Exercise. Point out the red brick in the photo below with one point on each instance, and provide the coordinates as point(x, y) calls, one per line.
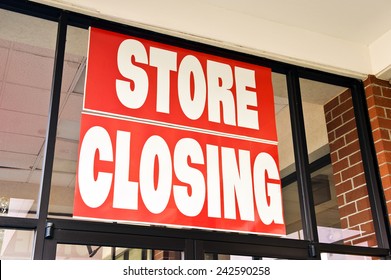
point(328, 117)
point(352, 171)
point(341, 200)
point(345, 96)
point(367, 228)
point(347, 127)
point(351, 136)
point(386, 92)
point(349, 149)
point(384, 123)
point(375, 112)
point(388, 113)
point(389, 208)
point(331, 136)
point(337, 178)
point(337, 144)
point(341, 165)
point(385, 169)
point(343, 187)
point(386, 182)
point(331, 104)
point(375, 124)
point(376, 90)
point(371, 102)
point(387, 194)
point(359, 180)
point(383, 156)
point(383, 145)
point(363, 204)
point(381, 134)
point(348, 209)
point(356, 194)
point(355, 158)
point(344, 223)
point(372, 80)
point(368, 81)
point(360, 218)
point(347, 116)
point(368, 241)
point(334, 156)
point(336, 122)
point(383, 101)
point(342, 108)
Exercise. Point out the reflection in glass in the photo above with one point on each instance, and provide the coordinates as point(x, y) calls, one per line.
point(340, 194)
point(67, 141)
point(290, 195)
point(332, 256)
point(26, 67)
point(90, 252)
point(16, 244)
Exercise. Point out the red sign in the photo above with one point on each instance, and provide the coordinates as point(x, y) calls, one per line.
point(176, 137)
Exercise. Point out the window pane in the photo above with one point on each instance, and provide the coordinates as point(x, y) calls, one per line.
point(332, 256)
point(26, 66)
point(65, 157)
point(340, 193)
point(65, 162)
point(89, 252)
point(290, 195)
point(16, 244)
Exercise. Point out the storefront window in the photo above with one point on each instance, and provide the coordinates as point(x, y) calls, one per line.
point(66, 152)
point(65, 157)
point(26, 68)
point(16, 244)
point(340, 193)
point(89, 252)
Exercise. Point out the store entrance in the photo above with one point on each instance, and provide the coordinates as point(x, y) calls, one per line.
point(85, 240)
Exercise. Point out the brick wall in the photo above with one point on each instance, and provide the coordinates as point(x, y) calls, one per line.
point(378, 95)
point(349, 179)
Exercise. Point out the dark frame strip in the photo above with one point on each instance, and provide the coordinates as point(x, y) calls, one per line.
point(44, 197)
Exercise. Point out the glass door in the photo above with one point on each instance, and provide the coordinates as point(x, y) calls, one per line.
point(111, 241)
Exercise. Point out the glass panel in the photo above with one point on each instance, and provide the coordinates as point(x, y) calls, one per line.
point(65, 157)
point(16, 244)
point(212, 256)
point(26, 67)
point(89, 252)
point(65, 162)
point(340, 193)
point(332, 256)
point(290, 195)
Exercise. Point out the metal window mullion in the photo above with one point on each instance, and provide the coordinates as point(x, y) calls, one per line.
point(372, 176)
point(43, 201)
point(301, 158)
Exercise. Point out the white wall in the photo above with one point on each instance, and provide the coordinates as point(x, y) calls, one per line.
point(211, 24)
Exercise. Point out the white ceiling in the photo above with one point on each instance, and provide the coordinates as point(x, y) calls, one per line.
point(348, 37)
point(359, 21)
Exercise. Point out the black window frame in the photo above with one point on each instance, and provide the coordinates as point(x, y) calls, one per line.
point(197, 242)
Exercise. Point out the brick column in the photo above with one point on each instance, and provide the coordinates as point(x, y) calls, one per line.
point(349, 179)
point(378, 93)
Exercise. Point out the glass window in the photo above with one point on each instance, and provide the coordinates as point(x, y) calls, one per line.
point(90, 252)
point(66, 152)
point(290, 194)
point(26, 67)
point(342, 207)
point(16, 244)
point(332, 256)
